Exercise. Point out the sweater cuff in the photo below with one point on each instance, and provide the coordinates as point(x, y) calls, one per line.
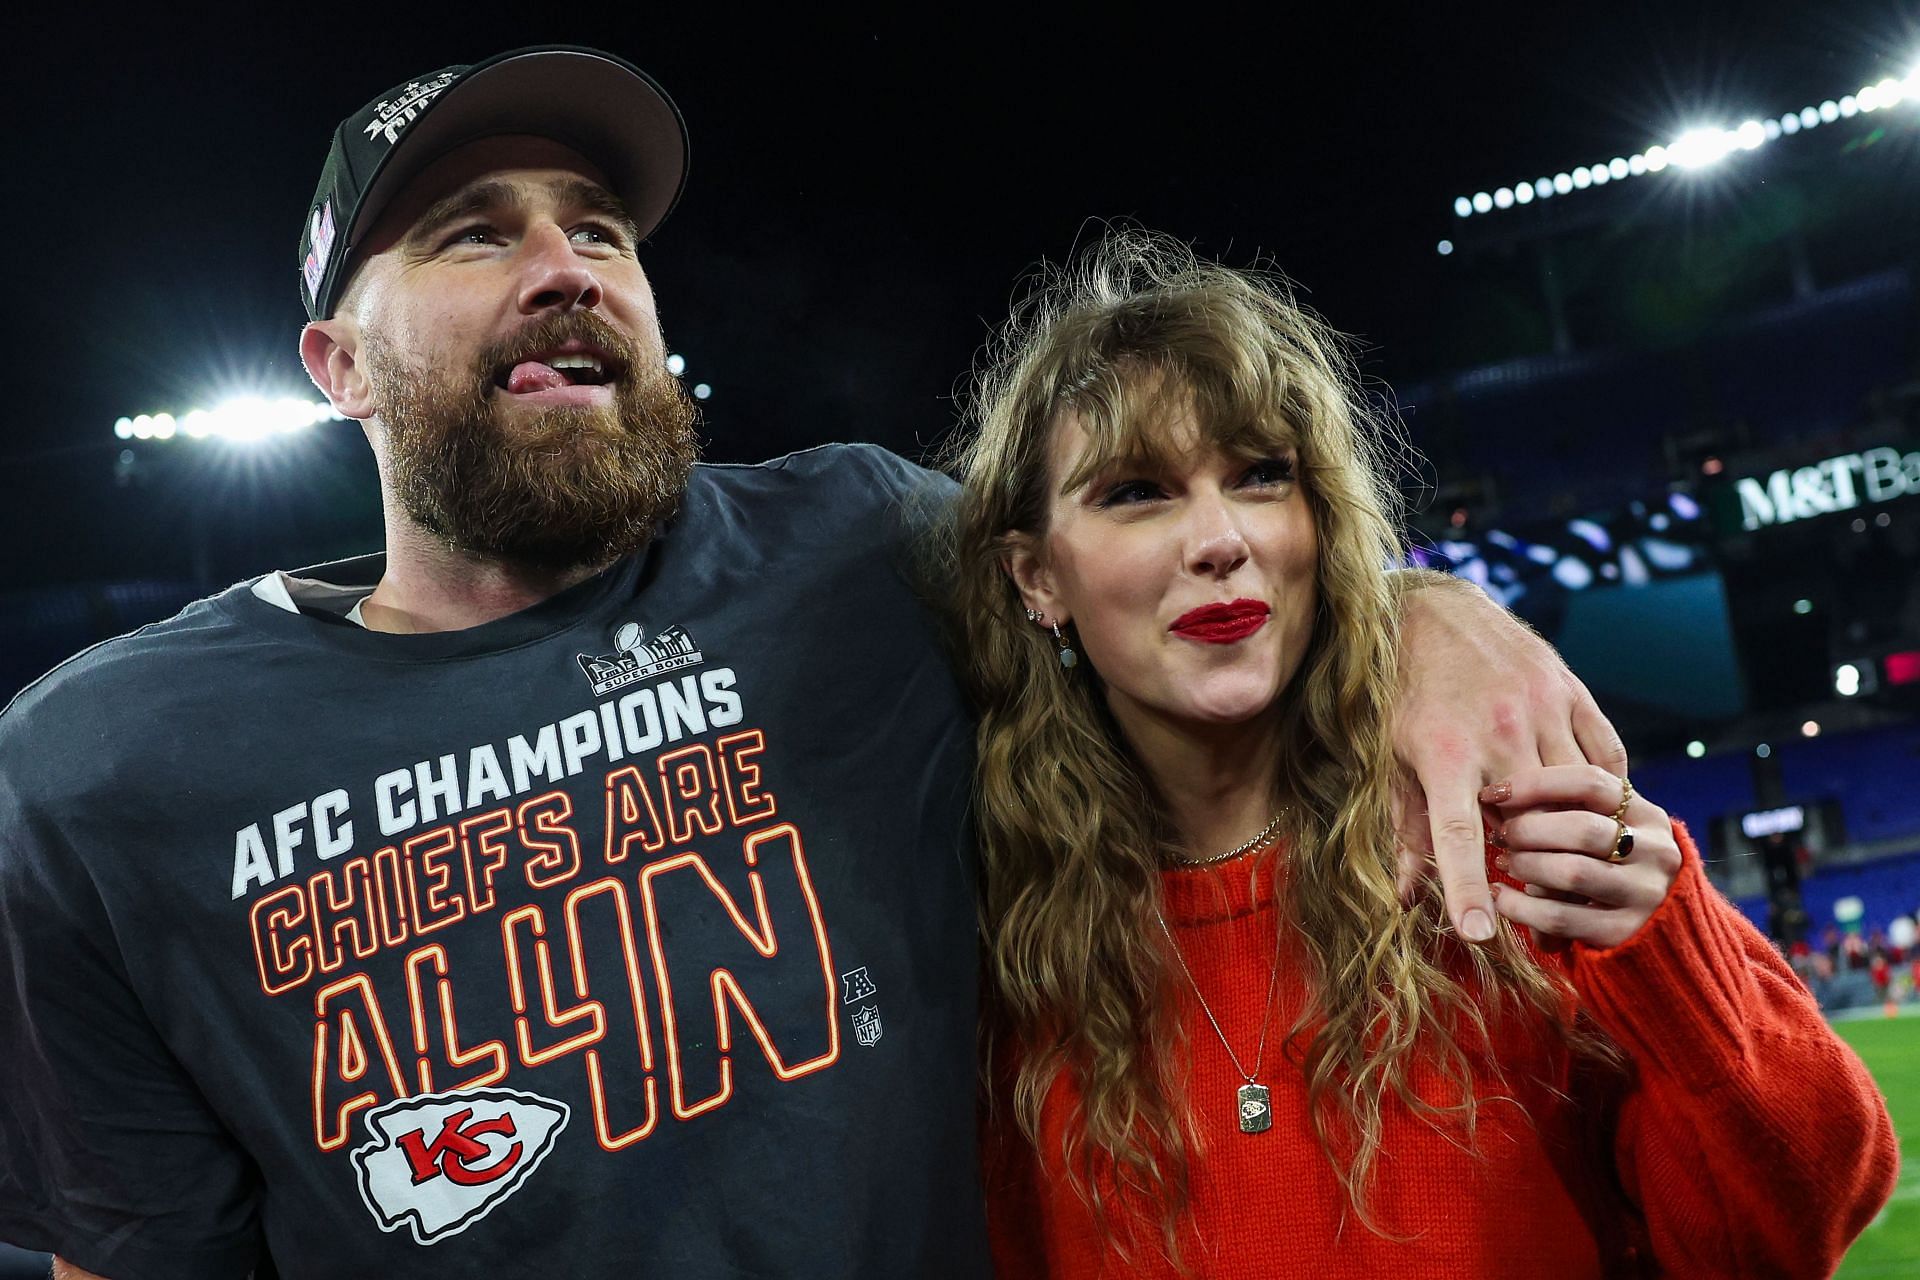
point(1679, 994)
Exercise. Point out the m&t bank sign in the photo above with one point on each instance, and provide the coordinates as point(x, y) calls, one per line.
point(1851, 480)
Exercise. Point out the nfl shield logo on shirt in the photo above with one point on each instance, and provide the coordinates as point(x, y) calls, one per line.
point(440, 1162)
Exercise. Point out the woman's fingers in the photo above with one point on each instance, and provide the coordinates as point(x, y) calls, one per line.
point(1568, 830)
point(1596, 926)
point(1603, 883)
point(1585, 786)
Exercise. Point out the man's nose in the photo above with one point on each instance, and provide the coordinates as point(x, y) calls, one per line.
point(1215, 544)
point(556, 278)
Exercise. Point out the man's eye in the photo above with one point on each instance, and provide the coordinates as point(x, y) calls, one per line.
point(469, 235)
point(595, 233)
point(1130, 493)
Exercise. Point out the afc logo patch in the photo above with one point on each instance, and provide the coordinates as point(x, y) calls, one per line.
point(440, 1162)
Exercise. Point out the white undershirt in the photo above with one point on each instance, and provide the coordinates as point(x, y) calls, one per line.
point(282, 590)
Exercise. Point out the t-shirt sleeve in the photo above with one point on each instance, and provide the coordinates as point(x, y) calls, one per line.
point(110, 1157)
point(1745, 1099)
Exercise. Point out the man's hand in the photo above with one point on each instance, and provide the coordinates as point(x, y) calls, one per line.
point(1481, 697)
point(64, 1270)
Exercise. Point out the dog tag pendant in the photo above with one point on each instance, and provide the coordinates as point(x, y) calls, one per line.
point(1256, 1108)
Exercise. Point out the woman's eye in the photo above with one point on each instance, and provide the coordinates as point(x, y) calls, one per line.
point(1270, 471)
point(1129, 492)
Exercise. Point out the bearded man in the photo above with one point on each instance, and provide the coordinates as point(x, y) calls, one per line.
point(514, 902)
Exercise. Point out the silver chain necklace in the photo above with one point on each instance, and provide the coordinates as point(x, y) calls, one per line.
point(1253, 1101)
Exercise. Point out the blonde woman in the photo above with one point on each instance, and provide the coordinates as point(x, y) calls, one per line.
point(1220, 1044)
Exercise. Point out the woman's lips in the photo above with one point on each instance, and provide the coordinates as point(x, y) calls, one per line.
point(1222, 623)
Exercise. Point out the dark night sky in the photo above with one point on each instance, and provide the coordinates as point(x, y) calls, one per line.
point(864, 191)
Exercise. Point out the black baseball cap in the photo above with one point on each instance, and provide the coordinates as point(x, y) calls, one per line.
point(604, 107)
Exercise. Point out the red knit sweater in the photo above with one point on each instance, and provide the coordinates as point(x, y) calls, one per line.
point(1749, 1143)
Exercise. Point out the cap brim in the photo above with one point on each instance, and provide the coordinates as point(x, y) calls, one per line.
point(608, 110)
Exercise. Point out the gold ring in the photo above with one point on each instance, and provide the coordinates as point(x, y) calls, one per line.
point(1626, 798)
point(1622, 842)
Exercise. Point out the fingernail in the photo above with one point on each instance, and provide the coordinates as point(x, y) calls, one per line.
point(1497, 793)
point(1477, 927)
point(1500, 861)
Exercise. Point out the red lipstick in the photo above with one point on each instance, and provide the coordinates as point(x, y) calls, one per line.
point(1222, 623)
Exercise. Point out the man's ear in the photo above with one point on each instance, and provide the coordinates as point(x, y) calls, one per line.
point(1021, 560)
point(330, 349)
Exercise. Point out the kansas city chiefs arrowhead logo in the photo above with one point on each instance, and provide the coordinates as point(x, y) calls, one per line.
point(440, 1162)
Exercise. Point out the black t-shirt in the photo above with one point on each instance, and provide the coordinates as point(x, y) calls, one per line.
point(629, 934)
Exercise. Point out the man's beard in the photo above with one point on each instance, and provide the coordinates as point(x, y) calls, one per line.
point(557, 488)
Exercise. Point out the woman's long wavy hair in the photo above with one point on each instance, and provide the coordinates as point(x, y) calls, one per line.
point(1074, 839)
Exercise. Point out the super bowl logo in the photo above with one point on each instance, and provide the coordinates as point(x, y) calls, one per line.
point(637, 658)
point(440, 1162)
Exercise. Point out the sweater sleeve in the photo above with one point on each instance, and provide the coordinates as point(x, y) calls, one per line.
point(1753, 1141)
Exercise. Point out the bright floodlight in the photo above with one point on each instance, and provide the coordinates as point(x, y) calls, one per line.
point(701, 391)
point(1846, 680)
point(1698, 148)
point(1445, 247)
point(242, 419)
point(676, 364)
point(1696, 749)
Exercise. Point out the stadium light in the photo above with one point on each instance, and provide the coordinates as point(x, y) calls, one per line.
point(243, 419)
point(1846, 680)
point(1696, 749)
point(1703, 146)
point(701, 391)
point(676, 364)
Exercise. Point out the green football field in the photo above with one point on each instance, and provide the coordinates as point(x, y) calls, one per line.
point(1891, 1049)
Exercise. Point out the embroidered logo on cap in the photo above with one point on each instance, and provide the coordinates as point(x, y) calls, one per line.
point(391, 116)
point(319, 248)
point(440, 1162)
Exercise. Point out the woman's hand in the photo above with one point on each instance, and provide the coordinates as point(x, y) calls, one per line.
point(1560, 842)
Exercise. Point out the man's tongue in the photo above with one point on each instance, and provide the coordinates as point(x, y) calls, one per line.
point(531, 375)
